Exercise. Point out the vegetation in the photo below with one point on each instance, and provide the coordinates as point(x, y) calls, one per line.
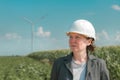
point(37, 66)
point(23, 68)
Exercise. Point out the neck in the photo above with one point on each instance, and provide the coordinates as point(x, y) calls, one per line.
point(80, 57)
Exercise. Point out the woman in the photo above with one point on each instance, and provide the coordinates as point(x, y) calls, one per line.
point(79, 64)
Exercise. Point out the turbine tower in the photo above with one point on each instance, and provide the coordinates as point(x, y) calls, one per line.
point(32, 30)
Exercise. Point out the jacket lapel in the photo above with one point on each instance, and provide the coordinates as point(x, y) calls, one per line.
point(89, 67)
point(67, 62)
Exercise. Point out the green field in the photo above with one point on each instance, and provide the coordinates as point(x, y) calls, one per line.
point(37, 66)
point(23, 68)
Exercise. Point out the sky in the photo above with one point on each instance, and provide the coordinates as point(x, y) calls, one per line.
point(28, 26)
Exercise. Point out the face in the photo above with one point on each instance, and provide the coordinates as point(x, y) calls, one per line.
point(78, 42)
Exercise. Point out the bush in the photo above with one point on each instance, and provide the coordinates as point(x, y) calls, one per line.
point(23, 68)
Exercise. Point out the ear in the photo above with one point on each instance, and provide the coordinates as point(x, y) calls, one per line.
point(89, 42)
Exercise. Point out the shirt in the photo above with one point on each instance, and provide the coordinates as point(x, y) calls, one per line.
point(79, 70)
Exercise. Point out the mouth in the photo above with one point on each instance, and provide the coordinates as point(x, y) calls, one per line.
point(73, 46)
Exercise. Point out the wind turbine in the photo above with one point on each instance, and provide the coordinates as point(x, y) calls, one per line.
point(32, 30)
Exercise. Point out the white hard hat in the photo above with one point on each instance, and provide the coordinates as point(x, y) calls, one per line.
point(83, 27)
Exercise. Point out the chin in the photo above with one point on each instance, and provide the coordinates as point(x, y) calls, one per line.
point(74, 50)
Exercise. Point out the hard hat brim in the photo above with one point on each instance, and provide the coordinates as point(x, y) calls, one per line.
point(68, 33)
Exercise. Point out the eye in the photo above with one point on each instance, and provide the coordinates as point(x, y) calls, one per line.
point(77, 37)
point(70, 37)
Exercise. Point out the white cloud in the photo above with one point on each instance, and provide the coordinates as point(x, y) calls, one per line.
point(12, 36)
point(117, 37)
point(103, 35)
point(103, 38)
point(42, 33)
point(116, 7)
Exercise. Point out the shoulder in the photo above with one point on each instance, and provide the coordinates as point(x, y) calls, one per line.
point(99, 63)
point(96, 59)
point(63, 59)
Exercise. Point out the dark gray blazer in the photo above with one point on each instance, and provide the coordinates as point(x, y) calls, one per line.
point(96, 69)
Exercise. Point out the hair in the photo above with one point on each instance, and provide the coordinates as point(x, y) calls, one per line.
point(91, 47)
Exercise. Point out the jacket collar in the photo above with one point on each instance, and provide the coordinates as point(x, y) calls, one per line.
point(68, 59)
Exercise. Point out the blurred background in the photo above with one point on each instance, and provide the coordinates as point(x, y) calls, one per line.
point(27, 26)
